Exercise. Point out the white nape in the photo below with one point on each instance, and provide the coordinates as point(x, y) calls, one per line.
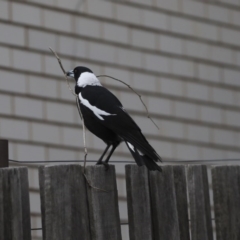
point(88, 78)
point(97, 112)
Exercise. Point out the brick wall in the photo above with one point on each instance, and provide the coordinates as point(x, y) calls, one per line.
point(183, 56)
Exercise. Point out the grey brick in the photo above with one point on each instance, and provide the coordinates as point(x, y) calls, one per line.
point(172, 87)
point(99, 8)
point(45, 133)
point(4, 10)
point(210, 114)
point(232, 77)
point(52, 67)
point(60, 112)
point(194, 8)
point(198, 133)
point(5, 56)
point(169, 5)
point(207, 31)
point(144, 82)
point(74, 5)
point(42, 87)
point(131, 101)
point(232, 118)
point(28, 107)
point(57, 21)
point(171, 129)
point(143, 39)
point(221, 54)
point(230, 36)
point(155, 19)
point(209, 73)
point(186, 110)
point(170, 44)
point(196, 49)
point(19, 14)
point(14, 82)
point(197, 91)
point(236, 17)
point(130, 58)
point(238, 58)
point(223, 96)
point(157, 63)
point(26, 60)
point(165, 149)
point(14, 129)
point(187, 152)
point(181, 25)
point(116, 33)
point(5, 106)
point(73, 137)
point(128, 14)
point(224, 137)
point(41, 40)
point(218, 13)
point(73, 46)
point(62, 154)
point(182, 67)
point(64, 91)
point(121, 74)
point(102, 52)
point(8, 31)
point(210, 153)
point(87, 27)
point(159, 106)
point(27, 152)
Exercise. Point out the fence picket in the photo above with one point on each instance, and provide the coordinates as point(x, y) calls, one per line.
point(180, 184)
point(200, 211)
point(164, 206)
point(226, 193)
point(14, 204)
point(138, 200)
point(103, 204)
point(63, 203)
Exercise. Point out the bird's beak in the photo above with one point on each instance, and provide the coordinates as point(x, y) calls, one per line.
point(70, 74)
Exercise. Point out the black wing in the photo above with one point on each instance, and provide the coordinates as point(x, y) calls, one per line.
point(119, 121)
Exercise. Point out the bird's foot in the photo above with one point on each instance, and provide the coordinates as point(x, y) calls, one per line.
point(106, 165)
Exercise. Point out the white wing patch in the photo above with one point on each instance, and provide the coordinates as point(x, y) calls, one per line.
point(131, 146)
point(97, 112)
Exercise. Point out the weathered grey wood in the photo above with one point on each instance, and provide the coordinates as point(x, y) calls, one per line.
point(200, 211)
point(226, 193)
point(63, 203)
point(14, 204)
point(3, 153)
point(164, 206)
point(138, 200)
point(103, 206)
point(181, 199)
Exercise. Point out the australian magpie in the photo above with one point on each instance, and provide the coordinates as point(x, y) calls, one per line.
point(105, 117)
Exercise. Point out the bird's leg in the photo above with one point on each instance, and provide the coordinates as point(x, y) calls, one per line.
point(114, 146)
point(100, 159)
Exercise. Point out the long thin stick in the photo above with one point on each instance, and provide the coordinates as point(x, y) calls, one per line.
point(78, 106)
point(139, 95)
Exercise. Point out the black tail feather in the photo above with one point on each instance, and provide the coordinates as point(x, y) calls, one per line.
point(143, 159)
point(151, 164)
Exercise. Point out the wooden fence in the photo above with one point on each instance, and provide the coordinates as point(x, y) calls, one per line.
point(157, 203)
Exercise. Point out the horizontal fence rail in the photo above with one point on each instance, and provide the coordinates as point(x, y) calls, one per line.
point(78, 204)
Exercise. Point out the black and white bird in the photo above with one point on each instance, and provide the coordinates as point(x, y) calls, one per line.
point(106, 118)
